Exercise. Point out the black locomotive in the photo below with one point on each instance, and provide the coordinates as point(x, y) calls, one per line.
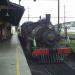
point(42, 41)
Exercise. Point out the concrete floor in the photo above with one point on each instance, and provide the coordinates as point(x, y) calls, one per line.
point(12, 59)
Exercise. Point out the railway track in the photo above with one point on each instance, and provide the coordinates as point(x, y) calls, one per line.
point(39, 69)
point(51, 69)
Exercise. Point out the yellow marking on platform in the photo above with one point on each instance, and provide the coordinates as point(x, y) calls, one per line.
point(17, 62)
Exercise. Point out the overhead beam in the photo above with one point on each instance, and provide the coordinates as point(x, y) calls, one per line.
point(6, 7)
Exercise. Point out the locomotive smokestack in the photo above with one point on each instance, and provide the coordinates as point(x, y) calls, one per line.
point(48, 16)
point(40, 17)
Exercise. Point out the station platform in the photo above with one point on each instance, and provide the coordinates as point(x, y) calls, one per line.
point(12, 59)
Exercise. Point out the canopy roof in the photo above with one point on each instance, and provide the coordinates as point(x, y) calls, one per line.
point(11, 12)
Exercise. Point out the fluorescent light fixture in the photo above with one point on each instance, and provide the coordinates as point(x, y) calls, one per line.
point(7, 14)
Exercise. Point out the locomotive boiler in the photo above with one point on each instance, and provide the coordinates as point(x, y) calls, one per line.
point(42, 41)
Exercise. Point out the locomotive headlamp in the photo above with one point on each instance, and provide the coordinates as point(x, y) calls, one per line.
point(51, 36)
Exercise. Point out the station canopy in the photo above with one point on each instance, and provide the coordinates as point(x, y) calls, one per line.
point(10, 12)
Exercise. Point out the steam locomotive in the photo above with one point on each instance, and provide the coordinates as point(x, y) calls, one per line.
point(43, 42)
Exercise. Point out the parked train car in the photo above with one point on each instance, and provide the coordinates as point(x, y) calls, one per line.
point(42, 42)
